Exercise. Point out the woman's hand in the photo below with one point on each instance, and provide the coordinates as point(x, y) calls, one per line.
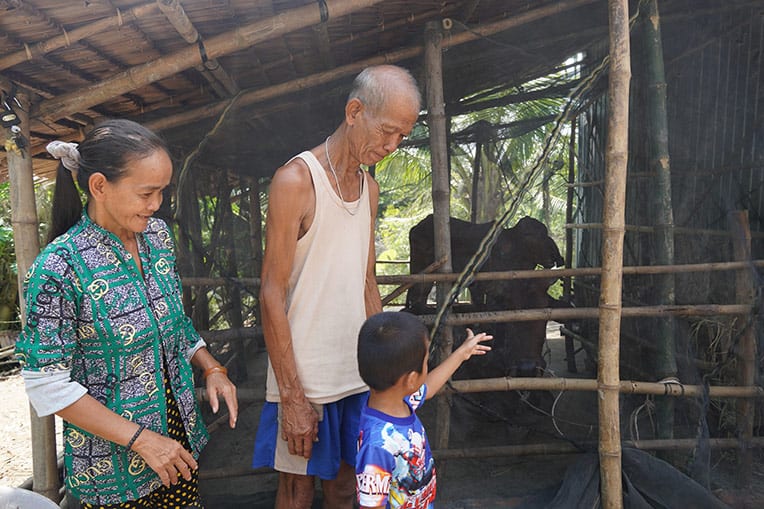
point(219, 385)
point(165, 456)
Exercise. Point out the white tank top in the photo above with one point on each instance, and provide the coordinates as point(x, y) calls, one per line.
point(325, 299)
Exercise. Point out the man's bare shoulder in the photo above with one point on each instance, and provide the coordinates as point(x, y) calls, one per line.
point(294, 175)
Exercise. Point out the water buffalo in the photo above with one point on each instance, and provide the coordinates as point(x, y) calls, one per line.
point(522, 247)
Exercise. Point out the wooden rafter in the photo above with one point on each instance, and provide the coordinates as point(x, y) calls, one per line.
point(66, 38)
point(253, 96)
point(211, 70)
point(80, 41)
point(168, 65)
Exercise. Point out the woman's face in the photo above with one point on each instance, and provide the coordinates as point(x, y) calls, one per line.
point(125, 206)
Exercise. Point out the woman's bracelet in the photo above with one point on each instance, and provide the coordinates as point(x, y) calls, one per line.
point(129, 445)
point(214, 369)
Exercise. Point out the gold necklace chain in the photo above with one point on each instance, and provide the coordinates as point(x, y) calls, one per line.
point(337, 181)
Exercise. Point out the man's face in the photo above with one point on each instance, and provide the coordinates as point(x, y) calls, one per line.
point(380, 132)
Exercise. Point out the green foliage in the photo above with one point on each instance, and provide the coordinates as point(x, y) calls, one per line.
point(9, 305)
point(512, 140)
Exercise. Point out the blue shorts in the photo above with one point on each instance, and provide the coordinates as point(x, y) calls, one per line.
point(337, 439)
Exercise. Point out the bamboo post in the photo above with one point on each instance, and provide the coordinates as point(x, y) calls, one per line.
point(441, 196)
point(27, 246)
point(567, 283)
point(664, 218)
point(746, 353)
point(612, 254)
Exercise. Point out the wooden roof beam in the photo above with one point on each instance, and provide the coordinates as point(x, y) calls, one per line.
point(168, 65)
point(81, 41)
point(324, 45)
point(253, 96)
point(37, 50)
point(210, 69)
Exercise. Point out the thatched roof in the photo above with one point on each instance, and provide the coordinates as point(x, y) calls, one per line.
point(104, 58)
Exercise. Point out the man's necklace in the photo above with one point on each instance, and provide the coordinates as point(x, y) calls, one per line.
point(337, 181)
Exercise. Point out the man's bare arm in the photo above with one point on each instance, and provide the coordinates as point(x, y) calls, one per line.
point(290, 201)
point(372, 299)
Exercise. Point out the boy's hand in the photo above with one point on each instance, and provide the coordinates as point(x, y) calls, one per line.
point(472, 345)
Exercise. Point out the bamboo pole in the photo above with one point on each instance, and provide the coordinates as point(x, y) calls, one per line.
point(567, 283)
point(221, 281)
point(562, 273)
point(210, 69)
point(612, 254)
point(441, 197)
point(663, 207)
point(402, 288)
point(561, 314)
point(550, 448)
point(590, 385)
point(242, 333)
point(746, 353)
point(173, 63)
point(27, 246)
point(540, 449)
point(677, 230)
point(506, 384)
point(38, 50)
point(407, 279)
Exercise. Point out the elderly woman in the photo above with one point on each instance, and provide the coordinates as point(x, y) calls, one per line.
point(106, 344)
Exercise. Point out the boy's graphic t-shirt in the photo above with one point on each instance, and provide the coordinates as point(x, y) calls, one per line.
point(394, 466)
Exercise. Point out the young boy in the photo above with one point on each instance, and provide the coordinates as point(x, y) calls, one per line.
point(394, 466)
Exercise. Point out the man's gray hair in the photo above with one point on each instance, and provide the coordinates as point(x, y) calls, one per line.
point(371, 85)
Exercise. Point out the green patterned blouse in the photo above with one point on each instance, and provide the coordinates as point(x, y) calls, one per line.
point(95, 322)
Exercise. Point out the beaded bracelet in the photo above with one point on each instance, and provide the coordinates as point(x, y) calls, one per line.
point(129, 445)
point(214, 369)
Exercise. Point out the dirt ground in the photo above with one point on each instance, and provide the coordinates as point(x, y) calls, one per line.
point(16, 446)
point(494, 482)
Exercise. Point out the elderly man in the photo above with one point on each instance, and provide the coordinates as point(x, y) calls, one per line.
point(318, 287)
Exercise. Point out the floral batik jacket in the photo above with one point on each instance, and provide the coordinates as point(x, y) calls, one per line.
point(94, 321)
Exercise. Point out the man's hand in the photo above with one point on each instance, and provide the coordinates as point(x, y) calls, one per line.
point(299, 424)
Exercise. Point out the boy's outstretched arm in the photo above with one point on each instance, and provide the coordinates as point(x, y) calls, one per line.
point(437, 378)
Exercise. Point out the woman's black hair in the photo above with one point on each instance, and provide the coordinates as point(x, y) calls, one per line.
point(390, 345)
point(108, 148)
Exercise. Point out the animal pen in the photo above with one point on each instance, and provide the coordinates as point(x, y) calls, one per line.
point(663, 109)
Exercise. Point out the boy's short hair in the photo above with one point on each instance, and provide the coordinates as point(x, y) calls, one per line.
point(390, 344)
